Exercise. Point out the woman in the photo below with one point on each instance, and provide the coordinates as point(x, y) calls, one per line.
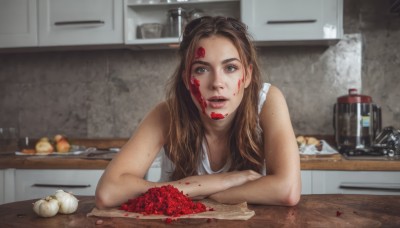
point(220, 127)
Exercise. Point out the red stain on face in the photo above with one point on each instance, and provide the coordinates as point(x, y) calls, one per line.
point(240, 81)
point(217, 116)
point(195, 90)
point(200, 53)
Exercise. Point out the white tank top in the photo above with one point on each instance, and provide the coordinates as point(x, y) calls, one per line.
point(204, 167)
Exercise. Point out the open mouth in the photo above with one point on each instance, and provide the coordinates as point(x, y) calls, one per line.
point(217, 102)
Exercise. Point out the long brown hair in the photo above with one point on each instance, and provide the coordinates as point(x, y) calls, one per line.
point(186, 132)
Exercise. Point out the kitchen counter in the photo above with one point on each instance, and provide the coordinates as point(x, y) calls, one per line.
point(312, 211)
point(336, 162)
point(308, 162)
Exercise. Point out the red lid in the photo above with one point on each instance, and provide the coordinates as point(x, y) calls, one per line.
point(353, 97)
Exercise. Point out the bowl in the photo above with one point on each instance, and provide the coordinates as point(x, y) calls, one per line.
point(151, 30)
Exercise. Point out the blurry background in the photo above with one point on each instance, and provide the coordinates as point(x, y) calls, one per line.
point(106, 93)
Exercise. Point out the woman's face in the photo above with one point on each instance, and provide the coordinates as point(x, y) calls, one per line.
point(217, 77)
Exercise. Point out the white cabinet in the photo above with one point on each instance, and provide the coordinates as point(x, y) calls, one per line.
point(80, 22)
point(18, 23)
point(31, 183)
point(139, 12)
point(7, 185)
point(293, 20)
point(356, 182)
point(306, 182)
point(2, 186)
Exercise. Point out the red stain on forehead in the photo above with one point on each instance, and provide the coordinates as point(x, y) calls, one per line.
point(195, 90)
point(200, 53)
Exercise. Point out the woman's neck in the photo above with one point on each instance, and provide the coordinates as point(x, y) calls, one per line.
point(217, 128)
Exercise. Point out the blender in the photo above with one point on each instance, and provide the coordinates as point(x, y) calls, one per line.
point(356, 121)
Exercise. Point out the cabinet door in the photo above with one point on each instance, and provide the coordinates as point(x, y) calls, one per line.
point(306, 182)
point(293, 20)
point(18, 23)
point(32, 184)
point(356, 182)
point(2, 186)
point(80, 22)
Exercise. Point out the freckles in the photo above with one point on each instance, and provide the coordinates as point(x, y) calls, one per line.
point(195, 91)
point(200, 53)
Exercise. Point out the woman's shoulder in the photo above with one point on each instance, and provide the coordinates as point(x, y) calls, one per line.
point(273, 99)
point(159, 114)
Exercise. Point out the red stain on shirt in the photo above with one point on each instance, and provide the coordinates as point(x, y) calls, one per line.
point(195, 90)
point(200, 53)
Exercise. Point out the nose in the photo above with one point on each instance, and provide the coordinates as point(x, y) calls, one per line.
point(217, 80)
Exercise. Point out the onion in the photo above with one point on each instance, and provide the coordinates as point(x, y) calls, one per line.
point(47, 207)
point(68, 203)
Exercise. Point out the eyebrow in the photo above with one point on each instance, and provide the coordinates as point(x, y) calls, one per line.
point(208, 64)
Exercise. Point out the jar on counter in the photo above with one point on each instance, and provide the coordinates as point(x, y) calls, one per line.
point(177, 20)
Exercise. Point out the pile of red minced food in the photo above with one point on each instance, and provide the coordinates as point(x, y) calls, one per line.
point(164, 200)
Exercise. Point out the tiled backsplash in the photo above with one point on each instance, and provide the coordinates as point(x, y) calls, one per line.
point(106, 93)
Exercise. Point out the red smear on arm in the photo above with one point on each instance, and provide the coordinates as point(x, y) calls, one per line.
point(200, 53)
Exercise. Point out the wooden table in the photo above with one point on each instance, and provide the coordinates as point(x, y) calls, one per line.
point(312, 211)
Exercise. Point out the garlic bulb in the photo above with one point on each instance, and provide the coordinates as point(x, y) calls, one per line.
point(46, 207)
point(68, 203)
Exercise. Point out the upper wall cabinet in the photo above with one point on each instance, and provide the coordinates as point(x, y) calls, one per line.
point(18, 23)
point(80, 22)
point(297, 21)
point(163, 16)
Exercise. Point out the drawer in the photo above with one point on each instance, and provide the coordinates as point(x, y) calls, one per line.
point(31, 184)
point(80, 22)
point(356, 182)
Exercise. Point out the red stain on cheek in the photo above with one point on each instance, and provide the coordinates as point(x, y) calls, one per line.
point(200, 53)
point(217, 116)
point(240, 81)
point(195, 90)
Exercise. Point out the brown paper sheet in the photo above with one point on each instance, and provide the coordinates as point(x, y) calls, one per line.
point(221, 211)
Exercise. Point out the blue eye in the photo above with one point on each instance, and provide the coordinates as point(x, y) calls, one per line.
point(200, 70)
point(231, 68)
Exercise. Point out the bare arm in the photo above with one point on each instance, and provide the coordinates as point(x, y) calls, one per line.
point(123, 177)
point(282, 185)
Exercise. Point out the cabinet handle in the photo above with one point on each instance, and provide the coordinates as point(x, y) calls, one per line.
point(61, 185)
point(292, 21)
point(88, 22)
point(371, 186)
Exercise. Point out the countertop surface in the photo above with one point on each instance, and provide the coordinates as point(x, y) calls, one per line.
point(100, 161)
point(312, 211)
point(333, 162)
